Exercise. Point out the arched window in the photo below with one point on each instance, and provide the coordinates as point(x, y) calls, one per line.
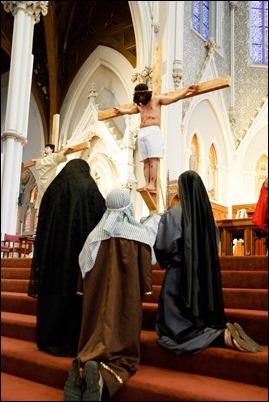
point(212, 173)
point(207, 21)
point(200, 18)
point(261, 174)
point(259, 32)
point(194, 156)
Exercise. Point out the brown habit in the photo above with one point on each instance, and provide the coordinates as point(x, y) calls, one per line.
point(112, 309)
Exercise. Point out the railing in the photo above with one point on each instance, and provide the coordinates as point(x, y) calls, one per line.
point(254, 241)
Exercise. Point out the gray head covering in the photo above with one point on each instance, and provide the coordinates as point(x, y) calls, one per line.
point(117, 221)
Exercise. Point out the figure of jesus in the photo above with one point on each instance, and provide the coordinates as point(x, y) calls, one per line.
point(150, 141)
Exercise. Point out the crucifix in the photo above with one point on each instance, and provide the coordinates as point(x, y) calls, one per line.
point(150, 196)
point(69, 150)
point(47, 165)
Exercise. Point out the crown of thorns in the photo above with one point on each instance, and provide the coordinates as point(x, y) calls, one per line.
point(142, 90)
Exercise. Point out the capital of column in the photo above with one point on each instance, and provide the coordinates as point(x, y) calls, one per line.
point(31, 8)
point(15, 136)
point(233, 5)
point(177, 73)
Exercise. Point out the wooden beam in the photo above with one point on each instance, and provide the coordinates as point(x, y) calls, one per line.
point(78, 147)
point(51, 41)
point(70, 150)
point(150, 199)
point(157, 69)
point(204, 87)
point(55, 130)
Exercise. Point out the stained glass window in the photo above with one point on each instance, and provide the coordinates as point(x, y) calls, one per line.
point(259, 32)
point(200, 18)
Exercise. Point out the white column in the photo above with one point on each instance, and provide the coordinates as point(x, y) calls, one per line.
point(233, 6)
point(14, 137)
point(178, 51)
point(171, 115)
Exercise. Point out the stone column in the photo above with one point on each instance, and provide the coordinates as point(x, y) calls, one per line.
point(233, 6)
point(14, 136)
point(178, 48)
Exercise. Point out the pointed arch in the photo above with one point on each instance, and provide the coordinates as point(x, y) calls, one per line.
point(212, 173)
point(194, 154)
point(261, 173)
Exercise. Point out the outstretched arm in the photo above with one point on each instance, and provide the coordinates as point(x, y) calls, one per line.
point(167, 100)
point(121, 111)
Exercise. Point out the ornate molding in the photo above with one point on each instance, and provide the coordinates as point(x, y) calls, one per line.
point(143, 75)
point(232, 115)
point(31, 8)
point(233, 5)
point(92, 94)
point(128, 184)
point(129, 138)
point(210, 46)
point(17, 137)
point(177, 73)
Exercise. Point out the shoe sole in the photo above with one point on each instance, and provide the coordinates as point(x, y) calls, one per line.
point(71, 391)
point(246, 337)
point(248, 347)
point(91, 376)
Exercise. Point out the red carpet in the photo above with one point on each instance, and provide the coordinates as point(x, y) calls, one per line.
point(216, 374)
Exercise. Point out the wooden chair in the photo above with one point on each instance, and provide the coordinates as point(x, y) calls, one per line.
point(9, 244)
point(16, 246)
point(27, 245)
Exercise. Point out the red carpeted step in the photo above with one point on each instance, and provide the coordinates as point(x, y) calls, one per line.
point(20, 326)
point(155, 384)
point(246, 302)
point(230, 279)
point(17, 280)
point(18, 389)
point(15, 285)
point(256, 299)
point(157, 276)
point(16, 262)
point(226, 363)
point(248, 299)
point(232, 365)
point(255, 322)
point(149, 383)
point(23, 359)
point(228, 262)
point(244, 262)
point(15, 273)
point(245, 279)
point(18, 302)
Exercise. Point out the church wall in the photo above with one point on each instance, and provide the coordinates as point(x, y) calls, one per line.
point(249, 97)
point(238, 145)
point(110, 73)
point(111, 76)
point(238, 176)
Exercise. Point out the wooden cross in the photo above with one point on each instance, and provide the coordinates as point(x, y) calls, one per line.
point(72, 149)
point(151, 199)
point(204, 87)
point(54, 140)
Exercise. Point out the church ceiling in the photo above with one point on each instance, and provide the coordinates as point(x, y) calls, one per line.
point(64, 39)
